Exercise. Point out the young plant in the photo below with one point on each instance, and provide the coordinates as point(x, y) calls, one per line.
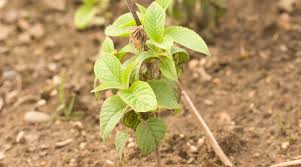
point(87, 12)
point(66, 107)
point(142, 75)
point(205, 13)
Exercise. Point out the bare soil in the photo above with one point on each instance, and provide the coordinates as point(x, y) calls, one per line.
point(251, 100)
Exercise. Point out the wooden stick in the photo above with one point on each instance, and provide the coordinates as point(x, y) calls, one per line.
point(131, 7)
point(296, 163)
point(217, 149)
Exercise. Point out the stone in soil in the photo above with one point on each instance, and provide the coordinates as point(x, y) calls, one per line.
point(37, 31)
point(20, 137)
point(36, 117)
point(2, 156)
point(9, 75)
point(110, 163)
point(1, 103)
point(2, 3)
point(63, 143)
point(287, 5)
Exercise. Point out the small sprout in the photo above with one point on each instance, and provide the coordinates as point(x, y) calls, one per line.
point(66, 107)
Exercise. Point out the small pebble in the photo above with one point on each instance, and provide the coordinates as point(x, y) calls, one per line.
point(1, 103)
point(9, 75)
point(82, 146)
point(50, 44)
point(190, 160)
point(53, 92)
point(2, 156)
point(37, 31)
point(193, 64)
point(204, 75)
point(208, 102)
point(110, 163)
point(44, 146)
point(63, 143)
point(285, 145)
point(193, 149)
point(36, 117)
point(41, 102)
point(77, 125)
point(201, 141)
point(52, 67)
point(23, 24)
point(57, 80)
point(287, 5)
point(2, 3)
point(20, 137)
point(131, 145)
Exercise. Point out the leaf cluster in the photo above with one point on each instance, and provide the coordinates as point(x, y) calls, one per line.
point(129, 73)
point(87, 11)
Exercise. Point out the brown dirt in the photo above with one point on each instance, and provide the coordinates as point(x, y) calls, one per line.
point(252, 102)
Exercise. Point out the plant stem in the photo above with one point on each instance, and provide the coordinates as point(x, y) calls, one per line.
point(131, 7)
point(217, 149)
point(158, 159)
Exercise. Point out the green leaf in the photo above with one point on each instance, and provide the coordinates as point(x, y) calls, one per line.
point(154, 22)
point(166, 93)
point(164, 3)
point(180, 55)
point(108, 69)
point(107, 46)
point(107, 85)
point(141, 8)
point(149, 134)
point(129, 48)
point(120, 141)
point(126, 74)
point(166, 43)
point(125, 20)
point(111, 112)
point(188, 38)
point(140, 59)
point(90, 2)
point(97, 94)
point(168, 68)
point(117, 32)
point(131, 120)
point(83, 16)
point(140, 97)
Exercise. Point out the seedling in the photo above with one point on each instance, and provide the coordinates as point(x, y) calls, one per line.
point(205, 13)
point(87, 12)
point(65, 107)
point(143, 75)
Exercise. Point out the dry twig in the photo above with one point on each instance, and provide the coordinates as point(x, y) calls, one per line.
point(295, 163)
point(217, 149)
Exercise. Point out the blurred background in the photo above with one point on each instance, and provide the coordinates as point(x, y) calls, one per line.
point(248, 91)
